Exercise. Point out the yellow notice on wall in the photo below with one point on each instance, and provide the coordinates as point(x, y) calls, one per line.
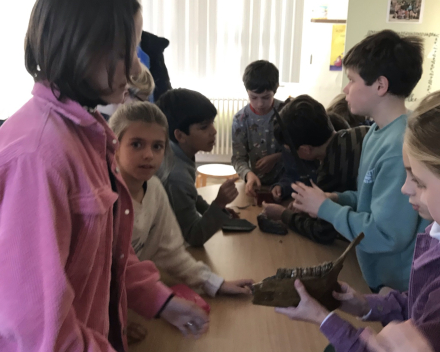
point(338, 47)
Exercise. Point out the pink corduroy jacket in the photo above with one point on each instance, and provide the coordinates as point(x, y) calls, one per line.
point(58, 226)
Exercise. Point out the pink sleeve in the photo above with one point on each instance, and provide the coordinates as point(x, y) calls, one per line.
point(36, 312)
point(145, 293)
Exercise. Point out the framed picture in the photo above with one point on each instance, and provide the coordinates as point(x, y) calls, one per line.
point(408, 11)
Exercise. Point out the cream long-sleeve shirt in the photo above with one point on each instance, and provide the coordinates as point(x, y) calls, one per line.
point(157, 237)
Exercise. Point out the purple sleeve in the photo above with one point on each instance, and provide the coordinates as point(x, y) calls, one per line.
point(391, 307)
point(342, 335)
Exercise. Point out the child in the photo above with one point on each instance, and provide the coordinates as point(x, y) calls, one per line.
point(338, 153)
point(67, 267)
point(142, 130)
point(421, 303)
point(255, 152)
point(190, 118)
point(308, 122)
point(382, 69)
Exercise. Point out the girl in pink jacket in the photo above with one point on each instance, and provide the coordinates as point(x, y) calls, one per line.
point(67, 270)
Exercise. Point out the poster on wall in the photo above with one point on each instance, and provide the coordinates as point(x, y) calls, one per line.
point(408, 11)
point(338, 47)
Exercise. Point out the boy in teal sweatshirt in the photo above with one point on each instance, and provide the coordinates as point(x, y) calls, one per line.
point(382, 69)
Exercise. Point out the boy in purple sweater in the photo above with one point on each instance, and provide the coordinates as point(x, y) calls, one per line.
point(421, 304)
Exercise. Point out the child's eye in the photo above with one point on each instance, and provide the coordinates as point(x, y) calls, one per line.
point(136, 145)
point(418, 185)
point(158, 146)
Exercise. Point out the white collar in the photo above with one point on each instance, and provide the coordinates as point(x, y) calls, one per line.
point(435, 231)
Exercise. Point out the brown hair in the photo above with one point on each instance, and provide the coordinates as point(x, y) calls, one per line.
point(340, 107)
point(66, 38)
point(386, 53)
point(423, 133)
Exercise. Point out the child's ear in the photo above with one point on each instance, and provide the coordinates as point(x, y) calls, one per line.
point(180, 136)
point(382, 85)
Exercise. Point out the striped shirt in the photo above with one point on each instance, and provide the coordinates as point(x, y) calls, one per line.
point(337, 173)
point(339, 169)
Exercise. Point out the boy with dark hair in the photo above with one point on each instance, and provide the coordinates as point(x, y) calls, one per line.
point(338, 153)
point(382, 69)
point(190, 118)
point(255, 153)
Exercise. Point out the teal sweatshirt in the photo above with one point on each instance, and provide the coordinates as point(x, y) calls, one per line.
point(379, 210)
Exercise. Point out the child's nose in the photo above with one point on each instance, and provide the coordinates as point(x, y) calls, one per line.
point(148, 154)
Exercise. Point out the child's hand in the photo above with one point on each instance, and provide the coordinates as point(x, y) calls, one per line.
point(252, 183)
point(292, 208)
point(267, 163)
point(399, 337)
point(188, 317)
point(236, 287)
point(352, 302)
point(308, 310)
point(135, 332)
point(273, 211)
point(308, 199)
point(232, 213)
point(227, 193)
point(276, 193)
point(332, 196)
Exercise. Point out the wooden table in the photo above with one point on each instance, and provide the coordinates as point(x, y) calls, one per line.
point(236, 324)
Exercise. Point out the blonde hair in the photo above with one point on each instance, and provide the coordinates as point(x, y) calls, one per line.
point(422, 136)
point(144, 82)
point(146, 112)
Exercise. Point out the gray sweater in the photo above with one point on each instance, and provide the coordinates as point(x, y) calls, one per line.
point(253, 139)
point(198, 220)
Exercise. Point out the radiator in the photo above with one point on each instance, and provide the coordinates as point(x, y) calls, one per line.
point(222, 151)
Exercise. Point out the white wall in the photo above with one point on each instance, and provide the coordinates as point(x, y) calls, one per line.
point(362, 18)
point(16, 83)
point(316, 79)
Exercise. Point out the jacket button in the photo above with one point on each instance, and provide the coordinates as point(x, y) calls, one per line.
point(114, 141)
point(127, 211)
point(117, 170)
point(122, 256)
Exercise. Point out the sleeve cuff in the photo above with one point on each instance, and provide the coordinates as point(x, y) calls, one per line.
point(212, 285)
point(378, 307)
point(328, 316)
point(335, 328)
point(366, 316)
point(327, 210)
point(243, 174)
point(286, 216)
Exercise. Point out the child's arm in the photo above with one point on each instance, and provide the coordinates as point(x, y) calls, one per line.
point(318, 230)
point(391, 223)
point(169, 252)
point(341, 334)
point(36, 297)
point(240, 151)
point(289, 176)
point(196, 228)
